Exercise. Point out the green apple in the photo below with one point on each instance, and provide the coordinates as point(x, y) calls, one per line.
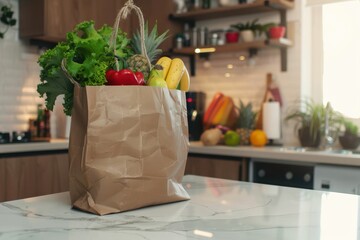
point(157, 82)
point(231, 138)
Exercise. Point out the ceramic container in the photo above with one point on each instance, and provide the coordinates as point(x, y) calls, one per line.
point(247, 35)
point(232, 37)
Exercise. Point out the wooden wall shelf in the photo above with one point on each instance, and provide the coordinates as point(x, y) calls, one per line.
point(233, 47)
point(240, 9)
point(191, 52)
point(259, 6)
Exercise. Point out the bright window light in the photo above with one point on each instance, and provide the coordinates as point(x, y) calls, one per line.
point(341, 38)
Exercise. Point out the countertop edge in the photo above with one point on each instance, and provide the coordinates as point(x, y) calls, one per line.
point(54, 144)
point(275, 153)
point(268, 152)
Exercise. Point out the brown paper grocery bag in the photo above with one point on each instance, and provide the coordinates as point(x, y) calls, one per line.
point(128, 147)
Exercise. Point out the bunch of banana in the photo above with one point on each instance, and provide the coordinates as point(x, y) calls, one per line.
point(172, 71)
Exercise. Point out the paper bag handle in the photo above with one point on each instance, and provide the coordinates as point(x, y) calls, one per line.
point(123, 13)
point(67, 74)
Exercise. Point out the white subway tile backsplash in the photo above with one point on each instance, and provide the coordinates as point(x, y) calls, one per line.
point(248, 82)
point(18, 80)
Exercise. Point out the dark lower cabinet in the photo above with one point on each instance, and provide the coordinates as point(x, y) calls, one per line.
point(35, 175)
point(217, 167)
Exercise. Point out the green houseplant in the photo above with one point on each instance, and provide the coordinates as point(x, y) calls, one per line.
point(350, 139)
point(6, 18)
point(310, 120)
point(248, 30)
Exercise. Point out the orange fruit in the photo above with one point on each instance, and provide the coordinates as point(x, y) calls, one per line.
point(258, 138)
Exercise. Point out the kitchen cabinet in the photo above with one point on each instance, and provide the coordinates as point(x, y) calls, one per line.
point(217, 166)
point(337, 178)
point(259, 6)
point(33, 174)
point(50, 20)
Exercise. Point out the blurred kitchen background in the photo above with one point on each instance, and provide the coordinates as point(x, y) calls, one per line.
point(236, 74)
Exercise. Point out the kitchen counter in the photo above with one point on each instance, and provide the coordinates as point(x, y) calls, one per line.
point(218, 209)
point(54, 144)
point(268, 152)
point(277, 153)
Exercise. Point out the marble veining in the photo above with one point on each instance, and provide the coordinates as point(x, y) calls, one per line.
point(218, 209)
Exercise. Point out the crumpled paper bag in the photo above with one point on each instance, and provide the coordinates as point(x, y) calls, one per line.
point(128, 147)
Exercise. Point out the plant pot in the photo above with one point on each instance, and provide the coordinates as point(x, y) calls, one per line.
point(247, 35)
point(277, 32)
point(232, 37)
point(306, 139)
point(349, 142)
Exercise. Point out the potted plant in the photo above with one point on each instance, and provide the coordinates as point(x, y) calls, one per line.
point(6, 18)
point(350, 139)
point(310, 122)
point(248, 30)
point(276, 31)
point(264, 28)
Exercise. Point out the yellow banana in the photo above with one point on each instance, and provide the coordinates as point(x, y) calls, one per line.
point(185, 81)
point(165, 62)
point(175, 73)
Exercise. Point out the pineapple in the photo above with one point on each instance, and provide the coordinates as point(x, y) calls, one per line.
point(152, 41)
point(245, 123)
point(139, 63)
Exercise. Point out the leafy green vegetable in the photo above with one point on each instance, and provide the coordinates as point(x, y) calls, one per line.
point(88, 56)
point(54, 81)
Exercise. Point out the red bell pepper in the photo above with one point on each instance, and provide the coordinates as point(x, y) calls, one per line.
point(124, 77)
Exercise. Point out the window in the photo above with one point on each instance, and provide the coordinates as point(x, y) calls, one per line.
point(341, 56)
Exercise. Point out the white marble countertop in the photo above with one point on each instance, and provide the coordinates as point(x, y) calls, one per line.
point(278, 153)
point(218, 209)
point(54, 144)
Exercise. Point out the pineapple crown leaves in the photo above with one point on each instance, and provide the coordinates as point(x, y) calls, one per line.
point(152, 41)
point(247, 116)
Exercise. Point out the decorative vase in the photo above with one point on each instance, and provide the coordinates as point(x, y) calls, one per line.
point(247, 35)
point(306, 139)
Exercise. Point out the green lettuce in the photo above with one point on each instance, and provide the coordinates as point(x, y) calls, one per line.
point(87, 55)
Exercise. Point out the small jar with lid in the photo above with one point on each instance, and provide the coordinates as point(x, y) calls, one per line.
point(179, 41)
point(214, 39)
